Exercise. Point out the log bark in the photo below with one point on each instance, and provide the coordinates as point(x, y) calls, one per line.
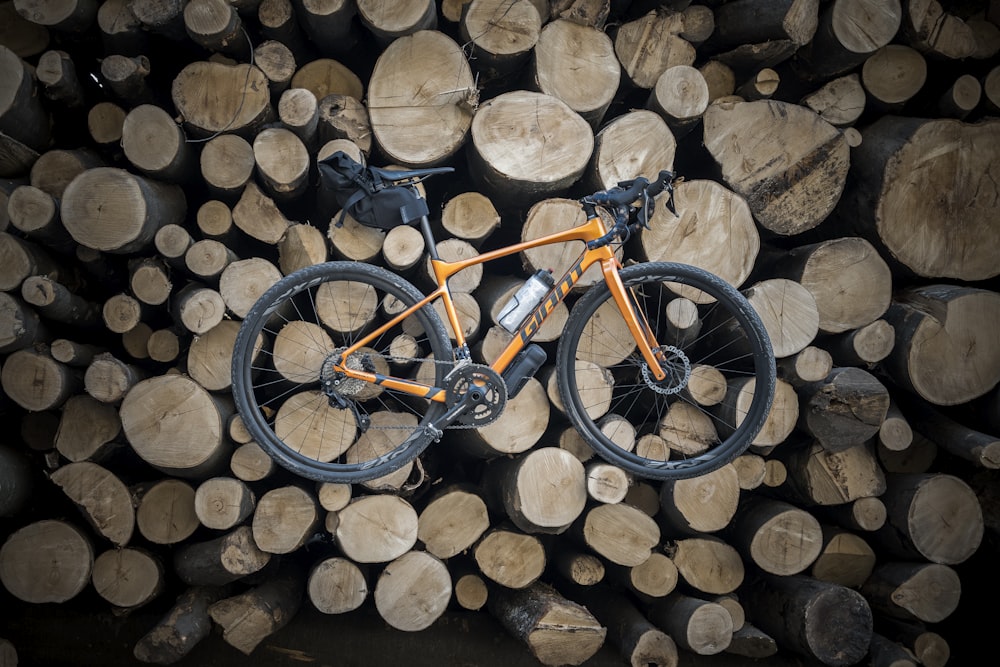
point(981, 449)
point(557, 631)
point(23, 118)
point(776, 536)
point(111, 210)
point(181, 628)
point(841, 43)
point(845, 408)
point(504, 35)
point(220, 561)
point(819, 476)
point(249, 618)
point(822, 621)
point(387, 22)
point(699, 626)
point(638, 641)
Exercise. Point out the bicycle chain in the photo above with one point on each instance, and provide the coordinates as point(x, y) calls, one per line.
point(454, 426)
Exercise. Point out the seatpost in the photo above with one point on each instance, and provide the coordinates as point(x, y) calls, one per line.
point(425, 228)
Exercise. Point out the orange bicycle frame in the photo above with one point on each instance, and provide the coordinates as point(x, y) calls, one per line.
point(604, 256)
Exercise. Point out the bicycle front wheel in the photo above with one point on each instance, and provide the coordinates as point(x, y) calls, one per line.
point(283, 368)
point(720, 373)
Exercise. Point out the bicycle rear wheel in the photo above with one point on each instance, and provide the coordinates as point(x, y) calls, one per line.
point(284, 353)
point(720, 379)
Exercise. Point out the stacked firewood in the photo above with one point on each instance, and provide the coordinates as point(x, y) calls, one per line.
point(841, 161)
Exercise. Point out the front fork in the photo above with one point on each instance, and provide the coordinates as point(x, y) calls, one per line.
point(635, 319)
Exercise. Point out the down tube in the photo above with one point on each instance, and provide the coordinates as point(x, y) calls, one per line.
point(555, 296)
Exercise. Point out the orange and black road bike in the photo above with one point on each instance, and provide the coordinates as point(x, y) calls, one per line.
point(344, 371)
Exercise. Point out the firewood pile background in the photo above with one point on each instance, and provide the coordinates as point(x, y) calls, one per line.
point(841, 163)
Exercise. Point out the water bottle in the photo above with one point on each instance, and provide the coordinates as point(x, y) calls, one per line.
point(525, 300)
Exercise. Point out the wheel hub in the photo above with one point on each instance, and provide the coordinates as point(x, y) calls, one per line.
point(677, 367)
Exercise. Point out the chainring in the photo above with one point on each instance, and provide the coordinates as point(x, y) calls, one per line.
point(489, 398)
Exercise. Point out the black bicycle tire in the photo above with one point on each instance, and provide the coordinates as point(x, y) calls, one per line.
point(242, 384)
point(763, 364)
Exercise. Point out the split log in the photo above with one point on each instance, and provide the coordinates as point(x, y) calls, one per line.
point(221, 560)
point(699, 626)
point(249, 618)
point(112, 210)
point(87, 428)
point(304, 245)
point(945, 347)
point(376, 528)
point(820, 620)
point(819, 476)
point(165, 512)
point(509, 557)
point(258, 216)
point(102, 497)
point(845, 559)
point(557, 631)
point(336, 586)
point(845, 408)
point(638, 641)
point(541, 491)
point(551, 142)
point(413, 591)
point(420, 115)
point(128, 578)
point(176, 426)
point(800, 162)
point(452, 521)
point(839, 102)
point(46, 561)
point(777, 537)
point(933, 516)
point(902, 216)
point(651, 44)
point(933, 30)
point(920, 591)
point(209, 357)
point(181, 628)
